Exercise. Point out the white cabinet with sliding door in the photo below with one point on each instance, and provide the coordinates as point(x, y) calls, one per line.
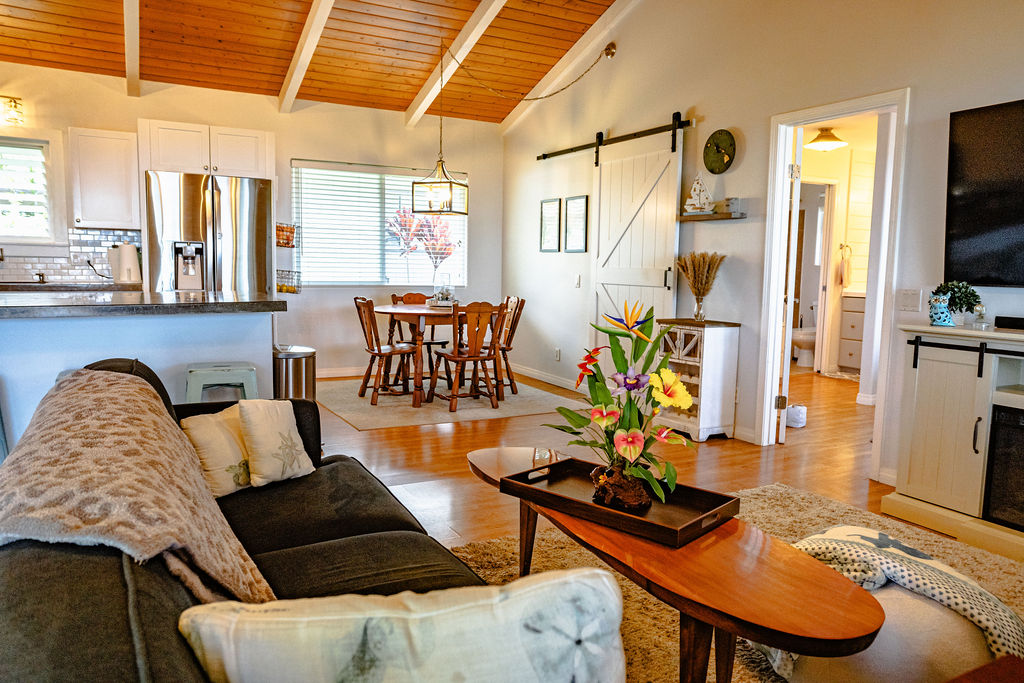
point(945, 432)
point(104, 174)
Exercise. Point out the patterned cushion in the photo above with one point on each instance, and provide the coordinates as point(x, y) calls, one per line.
point(221, 448)
point(275, 448)
point(554, 626)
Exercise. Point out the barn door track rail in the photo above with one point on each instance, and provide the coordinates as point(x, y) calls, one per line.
point(678, 123)
point(981, 349)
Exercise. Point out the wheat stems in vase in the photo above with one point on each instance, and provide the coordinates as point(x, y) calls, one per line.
point(700, 269)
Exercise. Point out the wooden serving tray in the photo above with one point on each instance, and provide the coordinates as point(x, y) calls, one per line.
point(686, 514)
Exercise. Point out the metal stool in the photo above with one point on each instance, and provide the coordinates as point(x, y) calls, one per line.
point(203, 375)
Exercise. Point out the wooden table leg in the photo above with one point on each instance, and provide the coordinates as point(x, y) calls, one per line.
point(694, 649)
point(417, 363)
point(725, 653)
point(527, 533)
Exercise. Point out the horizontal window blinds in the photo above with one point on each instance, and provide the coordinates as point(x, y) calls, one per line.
point(357, 229)
point(24, 205)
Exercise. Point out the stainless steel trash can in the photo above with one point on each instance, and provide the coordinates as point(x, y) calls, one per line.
point(295, 372)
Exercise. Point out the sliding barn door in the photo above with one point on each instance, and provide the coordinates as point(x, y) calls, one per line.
point(637, 205)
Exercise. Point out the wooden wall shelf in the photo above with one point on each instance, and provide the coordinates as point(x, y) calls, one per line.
point(683, 218)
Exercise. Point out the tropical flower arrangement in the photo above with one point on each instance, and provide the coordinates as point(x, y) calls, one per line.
point(620, 425)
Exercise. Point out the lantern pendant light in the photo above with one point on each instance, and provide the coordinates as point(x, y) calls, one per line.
point(440, 193)
point(826, 141)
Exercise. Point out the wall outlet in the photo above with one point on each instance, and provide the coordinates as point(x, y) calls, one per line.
point(558, 353)
point(908, 300)
point(79, 258)
point(579, 280)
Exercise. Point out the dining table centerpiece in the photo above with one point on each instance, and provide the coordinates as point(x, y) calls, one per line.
point(620, 425)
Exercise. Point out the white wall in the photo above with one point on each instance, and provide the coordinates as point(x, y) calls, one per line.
point(733, 64)
point(322, 317)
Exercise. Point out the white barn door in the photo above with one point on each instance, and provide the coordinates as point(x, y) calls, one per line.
point(637, 205)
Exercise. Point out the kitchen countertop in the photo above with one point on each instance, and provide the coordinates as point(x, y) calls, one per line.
point(65, 304)
point(70, 287)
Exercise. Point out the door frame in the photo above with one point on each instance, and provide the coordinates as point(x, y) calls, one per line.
point(896, 103)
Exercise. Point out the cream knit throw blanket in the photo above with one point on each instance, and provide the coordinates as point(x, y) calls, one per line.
point(103, 463)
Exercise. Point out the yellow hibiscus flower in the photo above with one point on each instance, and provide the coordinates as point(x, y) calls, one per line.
point(669, 391)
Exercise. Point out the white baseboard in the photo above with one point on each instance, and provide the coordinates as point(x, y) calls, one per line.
point(887, 475)
point(544, 376)
point(748, 435)
point(351, 371)
point(866, 399)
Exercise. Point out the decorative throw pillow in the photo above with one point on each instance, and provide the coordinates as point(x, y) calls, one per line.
point(273, 441)
point(221, 447)
point(553, 626)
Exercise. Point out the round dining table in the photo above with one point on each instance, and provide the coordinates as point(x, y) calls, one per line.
point(418, 316)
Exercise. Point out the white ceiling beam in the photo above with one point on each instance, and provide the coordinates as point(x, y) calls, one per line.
point(131, 47)
point(572, 62)
point(310, 38)
point(460, 47)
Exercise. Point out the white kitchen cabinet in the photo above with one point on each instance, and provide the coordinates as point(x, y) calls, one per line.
point(104, 170)
point(704, 355)
point(196, 148)
point(944, 439)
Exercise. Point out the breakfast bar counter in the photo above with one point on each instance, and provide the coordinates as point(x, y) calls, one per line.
point(47, 304)
point(44, 333)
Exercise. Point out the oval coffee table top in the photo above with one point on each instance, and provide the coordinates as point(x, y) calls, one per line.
point(735, 577)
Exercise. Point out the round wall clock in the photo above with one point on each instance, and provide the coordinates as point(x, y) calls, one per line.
point(719, 151)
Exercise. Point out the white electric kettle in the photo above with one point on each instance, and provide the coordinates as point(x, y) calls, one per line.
point(124, 263)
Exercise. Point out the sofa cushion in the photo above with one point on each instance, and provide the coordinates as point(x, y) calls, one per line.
point(272, 439)
point(339, 499)
point(219, 443)
point(553, 626)
point(68, 614)
point(374, 564)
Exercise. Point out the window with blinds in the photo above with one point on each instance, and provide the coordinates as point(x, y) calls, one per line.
point(357, 228)
point(24, 202)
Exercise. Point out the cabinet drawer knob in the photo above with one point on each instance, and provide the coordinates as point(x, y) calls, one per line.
point(214, 168)
point(78, 220)
point(206, 168)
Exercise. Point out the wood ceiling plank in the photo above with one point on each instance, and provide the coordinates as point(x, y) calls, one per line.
point(28, 52)
point(312, 30)
point(409, 83)
point(115, 51)
point(103, 40)
point(101, 11)
point(372, 62)
point(214, 20)
point(228, 8)
point(511, 13)
point(369, 24)
point(239, 36)
point(183, 53)
point(478, 23)
point(40, 17)
point(457, 10)
point(212, 85)
point(403, 43)
point(200, 43)
point(215, 72)
point(351, 98)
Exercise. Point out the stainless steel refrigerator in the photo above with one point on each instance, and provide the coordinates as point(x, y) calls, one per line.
point(209, 233)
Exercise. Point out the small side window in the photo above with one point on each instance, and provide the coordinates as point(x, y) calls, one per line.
point(32, 212)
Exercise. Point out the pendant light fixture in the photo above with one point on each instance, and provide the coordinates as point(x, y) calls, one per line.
point(826, 141)
point(440, 193)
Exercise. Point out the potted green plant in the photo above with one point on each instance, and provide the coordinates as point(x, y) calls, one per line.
point(962, 298)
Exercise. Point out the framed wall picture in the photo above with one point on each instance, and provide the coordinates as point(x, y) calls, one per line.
point(550, 224)
point(576, 224)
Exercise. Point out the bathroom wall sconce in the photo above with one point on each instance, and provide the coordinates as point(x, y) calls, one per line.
point(13, 114)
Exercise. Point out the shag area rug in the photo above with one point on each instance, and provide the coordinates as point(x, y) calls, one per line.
point(650, 629)
point(341, 397)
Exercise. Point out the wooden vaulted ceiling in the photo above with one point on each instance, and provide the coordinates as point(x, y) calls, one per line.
point(369, 53)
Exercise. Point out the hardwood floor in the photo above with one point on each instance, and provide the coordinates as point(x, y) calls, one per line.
point(425, 466)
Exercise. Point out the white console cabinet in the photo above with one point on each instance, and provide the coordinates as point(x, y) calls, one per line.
point(197, 148)
point(704, 355)
point(952, 378)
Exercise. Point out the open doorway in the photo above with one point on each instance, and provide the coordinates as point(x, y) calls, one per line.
point(780, 310)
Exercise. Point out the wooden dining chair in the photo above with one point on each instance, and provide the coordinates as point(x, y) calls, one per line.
point(506, 333)
point(396, 327)
point(474, 328)
point(383, 355)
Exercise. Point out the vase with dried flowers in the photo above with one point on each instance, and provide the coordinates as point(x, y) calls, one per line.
point(620, 425)
point(700, 269)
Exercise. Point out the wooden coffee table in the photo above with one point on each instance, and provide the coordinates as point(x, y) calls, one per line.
point(736, 580)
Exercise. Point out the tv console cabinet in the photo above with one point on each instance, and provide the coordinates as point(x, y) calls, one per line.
point(952, 379)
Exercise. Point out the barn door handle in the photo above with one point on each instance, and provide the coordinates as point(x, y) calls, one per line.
point(974, 443)
point(664, 281)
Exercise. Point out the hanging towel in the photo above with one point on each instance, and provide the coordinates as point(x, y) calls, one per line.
point(845, 265)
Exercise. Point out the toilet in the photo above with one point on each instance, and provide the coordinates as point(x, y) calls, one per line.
point(803, 342)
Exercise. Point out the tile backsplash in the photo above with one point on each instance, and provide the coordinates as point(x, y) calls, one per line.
point(85, 244)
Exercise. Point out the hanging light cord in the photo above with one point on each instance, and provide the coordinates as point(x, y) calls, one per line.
point(608, 51)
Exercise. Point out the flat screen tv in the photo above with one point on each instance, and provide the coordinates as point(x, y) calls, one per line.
point(985, 196)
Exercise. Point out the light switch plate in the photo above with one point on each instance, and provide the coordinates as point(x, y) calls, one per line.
point(908, 300)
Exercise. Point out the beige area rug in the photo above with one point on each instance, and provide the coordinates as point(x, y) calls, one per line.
point(341, 397)
point(650, 629)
